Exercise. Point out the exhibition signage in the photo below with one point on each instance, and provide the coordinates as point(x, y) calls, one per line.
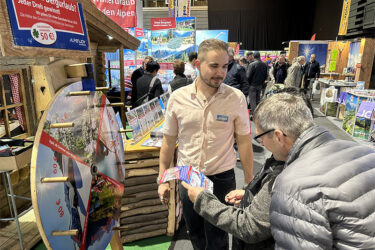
point(344, 18)
point(123, 12)
point(163, 23)
point(50, 24)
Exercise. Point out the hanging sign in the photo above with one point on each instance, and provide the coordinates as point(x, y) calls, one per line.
point(50, 23)
point(344, 17)
point(123, 12)
point(163, 23)
point(182, 8)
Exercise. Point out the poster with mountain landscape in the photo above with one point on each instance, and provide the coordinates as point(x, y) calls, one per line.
point(171, 44)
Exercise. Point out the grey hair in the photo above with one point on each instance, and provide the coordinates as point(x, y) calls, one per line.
point(230, 51)
point(237, 57)
point(286, 112)
point(300, 58)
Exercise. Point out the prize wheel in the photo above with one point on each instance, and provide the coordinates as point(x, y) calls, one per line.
point(77, 171)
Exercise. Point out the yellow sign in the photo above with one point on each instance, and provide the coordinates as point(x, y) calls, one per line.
point(334, 55)
point(332, 66)
point(344, 18)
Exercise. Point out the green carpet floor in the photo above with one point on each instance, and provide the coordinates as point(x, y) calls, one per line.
point(155, 243)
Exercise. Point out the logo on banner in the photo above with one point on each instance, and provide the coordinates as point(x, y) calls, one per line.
point(163, 23)
point(123, 12)
point(138, 32)
point(43, 33)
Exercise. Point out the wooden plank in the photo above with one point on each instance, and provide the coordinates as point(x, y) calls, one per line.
point(43, 92)
point(143, 218)
point(129, 155)
point(141, 188)
point(171, 208)
point(141, 163)
point(141, 224)
point(293, 51)
point(144, 210)
point(133, 181)
point(142, 172)
point(366, 62)
point(134, 237)
point(140, 196)
point(149, 228)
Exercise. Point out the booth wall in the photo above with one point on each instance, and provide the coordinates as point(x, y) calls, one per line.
point(266, 24)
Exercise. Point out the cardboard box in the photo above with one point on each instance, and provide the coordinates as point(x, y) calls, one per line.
point(17, 161)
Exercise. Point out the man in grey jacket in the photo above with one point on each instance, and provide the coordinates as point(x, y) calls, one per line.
point(324, 198)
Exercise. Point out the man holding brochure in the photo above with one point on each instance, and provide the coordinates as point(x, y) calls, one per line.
point(205, 117)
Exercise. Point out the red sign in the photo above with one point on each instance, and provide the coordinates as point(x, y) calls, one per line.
point(138, 32)
point(62, 16)
point(123, 12)
point(166, 66)
point(163, 23)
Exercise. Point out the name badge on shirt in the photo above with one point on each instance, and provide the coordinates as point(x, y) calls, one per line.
point(222, 118)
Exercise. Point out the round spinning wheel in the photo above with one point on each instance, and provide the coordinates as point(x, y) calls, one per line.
point(77, 171)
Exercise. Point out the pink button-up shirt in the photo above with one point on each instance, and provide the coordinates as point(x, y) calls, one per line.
point(205, 130)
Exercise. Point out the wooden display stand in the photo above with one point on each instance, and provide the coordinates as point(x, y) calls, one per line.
point(142, 214)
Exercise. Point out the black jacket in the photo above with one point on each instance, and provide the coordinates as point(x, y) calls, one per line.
point(257, 73)
point(312, 70)
point(142, 86)
point(249, 223)
point(135, 76)
point(266, 176)
point(280, 72)
point(236, 77)
point(179, 81)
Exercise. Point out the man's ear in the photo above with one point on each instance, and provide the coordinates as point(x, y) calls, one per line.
point(198, 64)
point(279, 136)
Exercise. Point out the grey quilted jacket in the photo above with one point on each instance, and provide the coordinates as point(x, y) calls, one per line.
point(325, 196)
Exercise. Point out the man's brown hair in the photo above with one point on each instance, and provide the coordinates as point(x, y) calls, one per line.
point(178, 67)
point(211, 44)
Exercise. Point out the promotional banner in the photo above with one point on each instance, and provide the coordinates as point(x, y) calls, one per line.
point(182, 8)
point(171, 8)
point(49, 24)
point(123, 12)
point(207, 34)
point(319, 49)
point(163, 23)
point(344, 18)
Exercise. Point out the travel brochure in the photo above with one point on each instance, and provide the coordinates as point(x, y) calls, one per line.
point(144, 118)
point(189, 175)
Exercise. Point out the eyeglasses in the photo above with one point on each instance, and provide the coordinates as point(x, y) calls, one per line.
point(258, 137)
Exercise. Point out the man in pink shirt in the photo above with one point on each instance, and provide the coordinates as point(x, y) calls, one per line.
point(205, 117)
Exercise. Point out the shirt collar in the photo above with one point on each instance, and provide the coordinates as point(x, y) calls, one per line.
point(193, 88)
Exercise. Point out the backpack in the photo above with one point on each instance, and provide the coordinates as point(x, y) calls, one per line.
point(143, 99)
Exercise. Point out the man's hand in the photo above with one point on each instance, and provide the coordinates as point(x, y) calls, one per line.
point(193, 192)
point(234, 197)
point(163, 191)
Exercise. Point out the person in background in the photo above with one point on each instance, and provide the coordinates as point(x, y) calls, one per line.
point(144, 83)
point(236, 75)
point(243, 62)
point(256, 75)
point(295, 73)
point(190, 67)
point(268, 60)
point(206, 123)
point(135, 76)
point(312, 72)
point(250, 58)
point(236, 58)
point(279, 71)
point(324, 197)
point(180, 80)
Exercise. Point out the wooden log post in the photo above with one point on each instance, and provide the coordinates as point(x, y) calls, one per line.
point(134, 237)
point(143, 218)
